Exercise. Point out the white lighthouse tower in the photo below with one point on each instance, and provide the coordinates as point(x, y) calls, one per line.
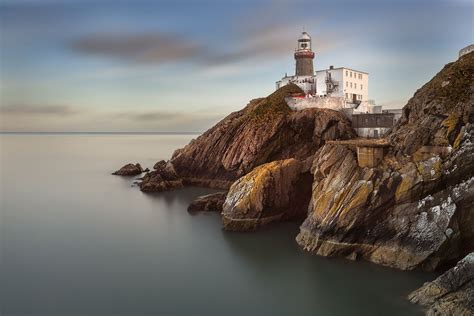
point(304, 72)
point(304, 56)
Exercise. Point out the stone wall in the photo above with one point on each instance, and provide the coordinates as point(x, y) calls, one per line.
point(369, 156)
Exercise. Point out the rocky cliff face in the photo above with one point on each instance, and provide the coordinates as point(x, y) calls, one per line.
point(416, 208)
point(450, 294)
point(279, 190)
point(265, 130)
point(438, 111)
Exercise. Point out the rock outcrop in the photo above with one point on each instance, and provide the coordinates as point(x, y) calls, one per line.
point(129, 169)
point(436, 113)
point(265, 130)
point(278, 190)
point(450, 294)
point(163, 178)
point(208, 203)
point(416, 208)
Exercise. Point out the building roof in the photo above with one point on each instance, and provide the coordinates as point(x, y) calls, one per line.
point(343, 68)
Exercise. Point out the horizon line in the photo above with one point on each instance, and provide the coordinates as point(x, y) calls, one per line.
point(98, 132)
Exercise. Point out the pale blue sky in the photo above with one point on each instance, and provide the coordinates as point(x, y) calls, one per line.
point(183, 65)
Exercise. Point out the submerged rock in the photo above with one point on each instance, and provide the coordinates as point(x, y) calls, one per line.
point(163, 178)
point(452, 293)
point(275, 191)
point(208, 203)
point(129, 170)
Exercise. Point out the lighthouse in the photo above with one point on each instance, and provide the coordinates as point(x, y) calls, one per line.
point(304, 56)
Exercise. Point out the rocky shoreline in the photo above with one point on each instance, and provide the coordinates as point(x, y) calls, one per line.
point(414, 210)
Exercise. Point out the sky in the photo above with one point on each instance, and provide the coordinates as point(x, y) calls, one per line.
point(182, 65)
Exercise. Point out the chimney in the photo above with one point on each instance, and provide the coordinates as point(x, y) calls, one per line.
point(331, 67)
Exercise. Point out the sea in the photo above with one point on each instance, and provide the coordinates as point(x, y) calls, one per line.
point(76, 240)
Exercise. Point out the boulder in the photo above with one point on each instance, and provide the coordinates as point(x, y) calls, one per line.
point(163, 178)
point(129, 169)
point(452, 293)
point(274, 191)
point(208, 203)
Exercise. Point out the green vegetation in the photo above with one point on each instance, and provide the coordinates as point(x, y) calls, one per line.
point(453, 83)
point(274, 104)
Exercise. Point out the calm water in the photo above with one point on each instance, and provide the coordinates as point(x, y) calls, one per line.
point(77, 241)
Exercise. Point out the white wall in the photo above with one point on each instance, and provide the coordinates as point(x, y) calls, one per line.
point(353, 84)
point(336, 76)
point(306, 83)
point(333, 103)
point(371, 132)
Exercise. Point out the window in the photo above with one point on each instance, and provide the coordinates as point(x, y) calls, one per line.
point(351, 74)
point(351, 84)
point(347, 73)
point(355, 85)
point(347, 95)
point(360, 87)
point(347, 84)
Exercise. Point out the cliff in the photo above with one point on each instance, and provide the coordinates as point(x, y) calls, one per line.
point(452, 293)
point(437, 112)
point(416, 209)
point(265, 130)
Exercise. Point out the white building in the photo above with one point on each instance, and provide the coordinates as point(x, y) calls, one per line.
point(352, 85)
point(341, 89)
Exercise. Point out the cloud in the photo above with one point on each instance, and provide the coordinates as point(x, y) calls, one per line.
point(151, 47)
point(151, 116)
point(169, 118)
point(28, 109)
point(271, 39)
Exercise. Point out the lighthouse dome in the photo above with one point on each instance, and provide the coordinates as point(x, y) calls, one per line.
point(304, 36)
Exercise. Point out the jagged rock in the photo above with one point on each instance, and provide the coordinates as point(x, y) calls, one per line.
point(407, 212)
point(208, 203)
point(452, 293)
point(163, 178)
point(129, 169)
point(395, 216)
point(278, 190)
point(264, 131)
point(436, 113)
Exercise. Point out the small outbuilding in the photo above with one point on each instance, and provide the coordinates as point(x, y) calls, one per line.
point(370, 152)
